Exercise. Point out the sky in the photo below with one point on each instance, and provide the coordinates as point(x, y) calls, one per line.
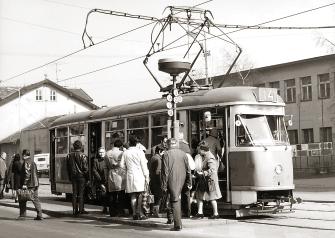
point(36, 32)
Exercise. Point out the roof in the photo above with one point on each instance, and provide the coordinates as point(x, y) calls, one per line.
point(216, 79)
point(81, 93)
point(10, 93)
point(42, 124)
point(217, 96)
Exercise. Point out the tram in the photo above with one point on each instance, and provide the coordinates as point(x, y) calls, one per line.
point(258, 176)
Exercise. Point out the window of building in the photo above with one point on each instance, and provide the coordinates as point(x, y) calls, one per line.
point(293, 136)
point(325, 134)
point(308, 136)
point(260, 85)
point(52, 95)
point(290, 90)
point(324, 85)
point(38, 94)
point(275, 85)
point(306, 88)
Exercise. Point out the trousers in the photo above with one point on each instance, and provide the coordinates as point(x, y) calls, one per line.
point(36, 202)
point(78, 189)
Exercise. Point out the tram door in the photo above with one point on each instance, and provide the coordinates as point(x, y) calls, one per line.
point(52, 160)
point(94, 142)
point(201, 122)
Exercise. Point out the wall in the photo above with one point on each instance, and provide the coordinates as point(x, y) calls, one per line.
point(24, 111)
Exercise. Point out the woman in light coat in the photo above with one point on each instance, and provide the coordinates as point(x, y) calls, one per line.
point(137, 176)
point(206, 169)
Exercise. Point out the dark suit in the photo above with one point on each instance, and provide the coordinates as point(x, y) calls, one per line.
point(175, 173)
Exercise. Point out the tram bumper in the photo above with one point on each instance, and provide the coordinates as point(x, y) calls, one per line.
point(269, 206)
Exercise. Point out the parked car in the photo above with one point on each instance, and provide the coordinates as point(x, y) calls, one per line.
point(43, 162)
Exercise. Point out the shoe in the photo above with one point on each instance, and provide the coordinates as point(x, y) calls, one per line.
point(169, 221)
point(214, 217)
point(176, 228)
point(104, 210)
point(136, 217)
point(143, 217)
point(38, 218)
point(21, 218)
point(83, 212)
point(198, 215)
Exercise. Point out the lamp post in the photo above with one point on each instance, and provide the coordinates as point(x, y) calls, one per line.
point(174, 68)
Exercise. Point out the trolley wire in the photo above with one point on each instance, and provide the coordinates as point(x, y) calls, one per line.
point(137, 28)
point(166, 49)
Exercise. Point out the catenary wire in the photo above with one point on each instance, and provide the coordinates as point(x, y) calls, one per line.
point(75, 52)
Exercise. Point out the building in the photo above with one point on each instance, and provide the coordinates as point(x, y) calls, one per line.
point(307, 87)
point(22, 108)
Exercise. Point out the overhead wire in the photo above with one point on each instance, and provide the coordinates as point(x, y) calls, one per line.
point(75, 52)
point(134, 29)
point(166, 49)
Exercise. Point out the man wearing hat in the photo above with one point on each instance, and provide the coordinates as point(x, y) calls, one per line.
point(174, 174)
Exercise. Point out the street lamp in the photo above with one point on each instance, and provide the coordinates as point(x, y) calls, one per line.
point(174, 68)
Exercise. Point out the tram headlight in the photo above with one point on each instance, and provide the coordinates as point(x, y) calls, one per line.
point(279, 169)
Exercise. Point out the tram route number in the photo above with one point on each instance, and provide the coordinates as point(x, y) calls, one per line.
point(266, 94)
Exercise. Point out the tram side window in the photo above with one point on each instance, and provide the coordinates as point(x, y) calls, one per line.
point(62, 140)
point(77, 133)
point(159, 128)
point(114, 131)
point(139, 127)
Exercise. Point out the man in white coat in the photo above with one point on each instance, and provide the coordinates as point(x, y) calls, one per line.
point(137, 176)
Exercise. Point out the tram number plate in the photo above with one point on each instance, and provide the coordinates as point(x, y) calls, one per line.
point(266, 94)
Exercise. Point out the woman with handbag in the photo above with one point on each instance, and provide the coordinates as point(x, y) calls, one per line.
point(207, 187)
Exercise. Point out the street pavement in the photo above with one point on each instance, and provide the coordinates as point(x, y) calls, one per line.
point(319, 190)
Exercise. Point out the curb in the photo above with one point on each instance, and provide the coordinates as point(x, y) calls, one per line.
point(150, 223)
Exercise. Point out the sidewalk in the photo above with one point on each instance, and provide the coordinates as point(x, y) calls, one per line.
point(57, 207)
point(320, 189)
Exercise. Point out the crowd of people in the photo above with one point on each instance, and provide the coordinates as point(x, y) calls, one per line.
point(126, 181)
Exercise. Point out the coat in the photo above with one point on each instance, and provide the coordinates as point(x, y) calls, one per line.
point(18, 173)
point(208, 165)
point(30, 177)
point(3, 169)
point(155, 165)
point(134, 162)
point(77, 165)
point(175, 173)
point(116, 174)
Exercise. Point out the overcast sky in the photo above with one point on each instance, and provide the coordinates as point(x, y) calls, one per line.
point(34, 32)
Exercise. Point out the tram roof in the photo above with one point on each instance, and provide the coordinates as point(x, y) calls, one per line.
point(225, 95)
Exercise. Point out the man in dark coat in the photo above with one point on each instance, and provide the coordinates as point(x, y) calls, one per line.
point(77, 166)
point(100, 174)
point(175, 173)
point(30, 181)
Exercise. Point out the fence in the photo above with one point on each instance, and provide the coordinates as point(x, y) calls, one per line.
point(314, 158)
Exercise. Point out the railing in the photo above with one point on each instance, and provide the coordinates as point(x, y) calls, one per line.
point(314, 158)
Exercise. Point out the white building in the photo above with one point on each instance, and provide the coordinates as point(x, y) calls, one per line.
point(21, 107)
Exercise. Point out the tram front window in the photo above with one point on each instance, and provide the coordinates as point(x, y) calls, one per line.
point(260, 130)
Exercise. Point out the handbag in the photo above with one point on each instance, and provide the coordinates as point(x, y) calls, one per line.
point(210, 184)
point(25, 194)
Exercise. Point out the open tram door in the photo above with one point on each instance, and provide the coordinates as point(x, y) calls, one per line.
point(204, 120)
point(52, 178)
point(94, 142)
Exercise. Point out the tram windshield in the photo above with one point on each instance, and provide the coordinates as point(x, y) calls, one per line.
point(260, 130)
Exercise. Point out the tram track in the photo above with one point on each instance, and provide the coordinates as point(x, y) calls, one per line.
point(304, 217)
